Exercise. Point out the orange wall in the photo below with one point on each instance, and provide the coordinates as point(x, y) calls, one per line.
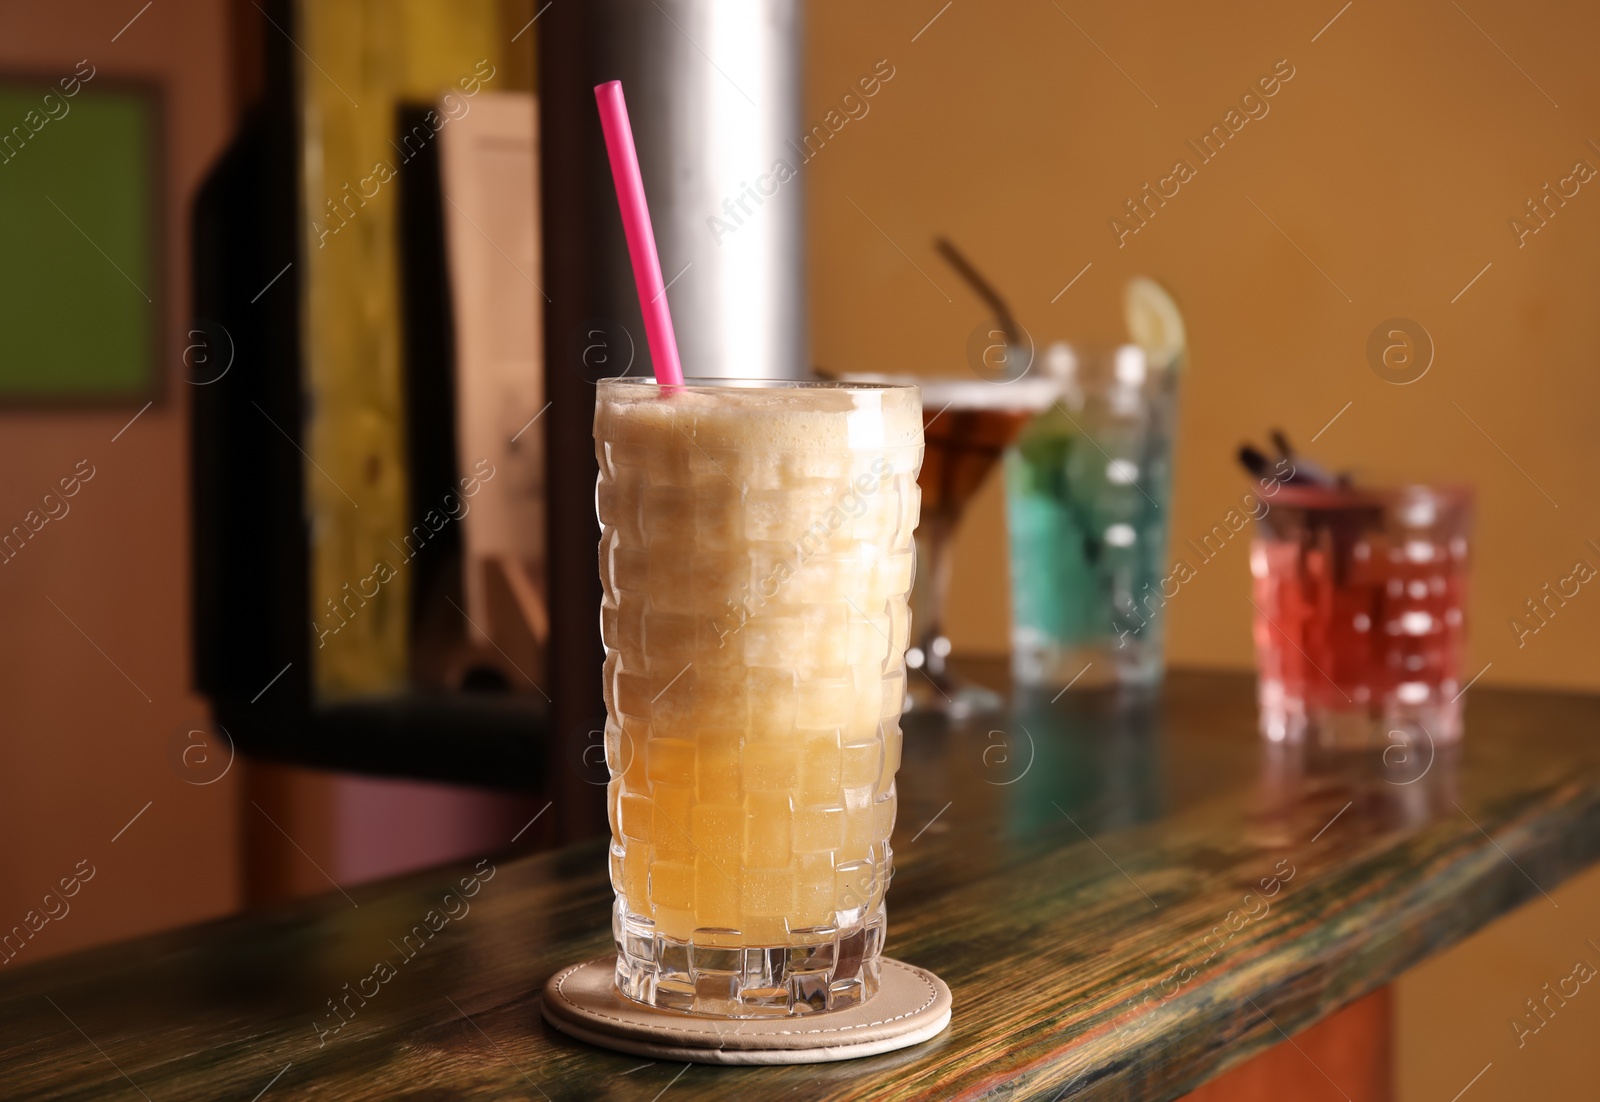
point(1393, 158)
point(1454, 1011)
point(86, 743)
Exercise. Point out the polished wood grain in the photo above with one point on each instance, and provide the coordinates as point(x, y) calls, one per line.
point(1127, 897)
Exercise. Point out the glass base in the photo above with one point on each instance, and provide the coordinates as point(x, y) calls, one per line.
point(945, 694)
point(1046, 664)
point(1357, 725)
point(716, 975)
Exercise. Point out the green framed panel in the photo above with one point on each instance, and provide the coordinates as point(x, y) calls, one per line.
point(80, 270)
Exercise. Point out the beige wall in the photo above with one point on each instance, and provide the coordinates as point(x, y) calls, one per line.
point(1393, 158)
point(86, 745)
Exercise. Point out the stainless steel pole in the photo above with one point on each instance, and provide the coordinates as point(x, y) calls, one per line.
point(713, 90)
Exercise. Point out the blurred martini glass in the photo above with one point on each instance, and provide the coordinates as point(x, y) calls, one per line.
point(966, 425)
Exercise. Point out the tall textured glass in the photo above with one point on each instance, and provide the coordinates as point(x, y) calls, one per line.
point(756, 556)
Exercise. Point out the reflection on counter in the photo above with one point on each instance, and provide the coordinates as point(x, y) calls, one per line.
point(1089, 759)
point(1399, 787)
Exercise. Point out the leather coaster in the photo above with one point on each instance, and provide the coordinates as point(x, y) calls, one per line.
point(911, 1006)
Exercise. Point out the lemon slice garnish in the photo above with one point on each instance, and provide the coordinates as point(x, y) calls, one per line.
point(1155, 323)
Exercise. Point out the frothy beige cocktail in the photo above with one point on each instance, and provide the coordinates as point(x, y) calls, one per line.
point(756, 557)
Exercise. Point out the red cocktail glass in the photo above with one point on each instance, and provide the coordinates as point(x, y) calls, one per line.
point(1360, 623)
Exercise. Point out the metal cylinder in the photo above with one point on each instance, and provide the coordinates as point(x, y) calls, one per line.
point(713, 92)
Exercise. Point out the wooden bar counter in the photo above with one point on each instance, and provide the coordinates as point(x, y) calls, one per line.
point(1128, 898)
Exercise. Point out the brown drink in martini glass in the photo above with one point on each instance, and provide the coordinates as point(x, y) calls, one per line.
point(967, 424)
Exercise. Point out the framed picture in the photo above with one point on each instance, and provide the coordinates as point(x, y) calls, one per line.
point(80, 271)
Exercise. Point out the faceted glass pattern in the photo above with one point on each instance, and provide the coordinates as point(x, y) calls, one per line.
point(756, 557)
point(1360, 624)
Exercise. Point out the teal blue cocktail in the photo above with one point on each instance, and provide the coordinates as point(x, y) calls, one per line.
point(1088, 486)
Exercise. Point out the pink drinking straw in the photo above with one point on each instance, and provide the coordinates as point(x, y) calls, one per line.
point(641, 238)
